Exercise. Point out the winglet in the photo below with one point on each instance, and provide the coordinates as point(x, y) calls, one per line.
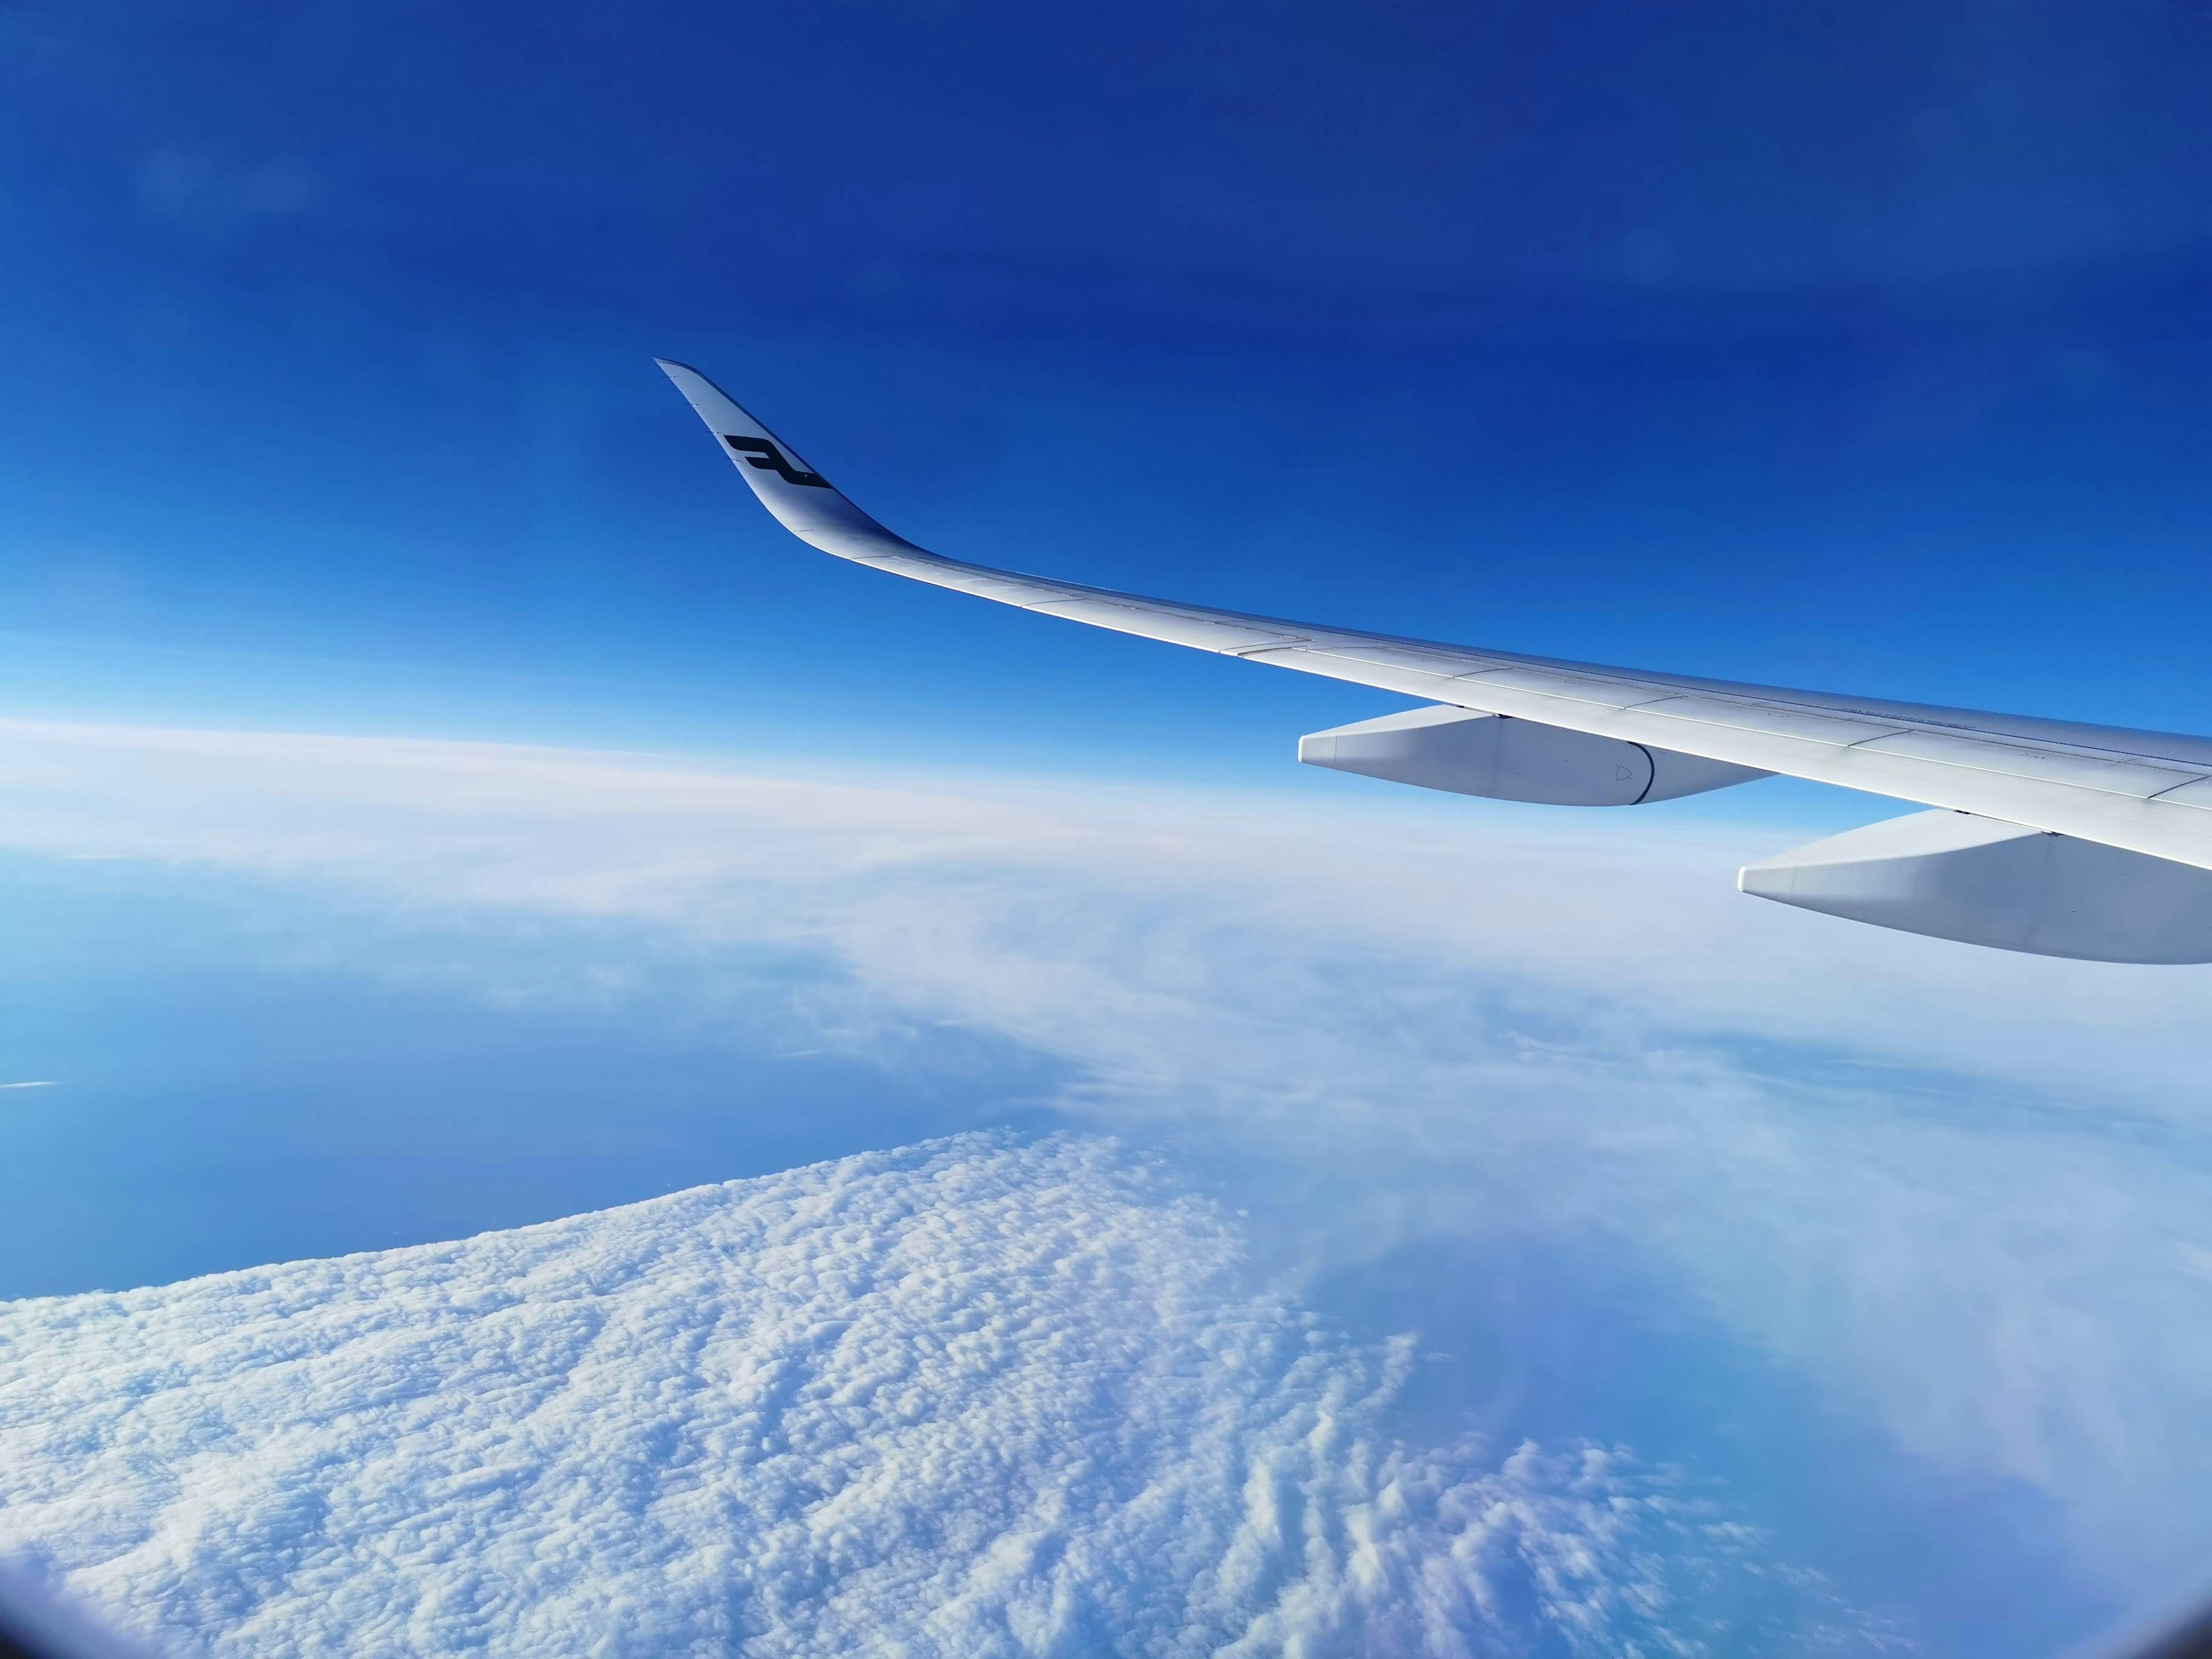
point(801, 499)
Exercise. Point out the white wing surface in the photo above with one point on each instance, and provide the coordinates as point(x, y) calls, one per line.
point(2148, 792)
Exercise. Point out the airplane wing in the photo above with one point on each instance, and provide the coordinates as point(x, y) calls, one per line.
point(2133, 807)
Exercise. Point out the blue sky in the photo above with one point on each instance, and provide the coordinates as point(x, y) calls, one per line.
point(1862, 347)
point(1859, 348)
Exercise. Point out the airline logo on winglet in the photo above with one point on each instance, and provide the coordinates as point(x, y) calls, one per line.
point(760, 452)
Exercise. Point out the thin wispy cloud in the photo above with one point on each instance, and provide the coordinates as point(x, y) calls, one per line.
point(1642, 909)
point(212, 193)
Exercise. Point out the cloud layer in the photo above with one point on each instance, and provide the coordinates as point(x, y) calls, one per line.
point(978, 1397)
point(1962, 1195)
point(1642, 909)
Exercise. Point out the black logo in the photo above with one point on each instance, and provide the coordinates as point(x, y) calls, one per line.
point(760, 452)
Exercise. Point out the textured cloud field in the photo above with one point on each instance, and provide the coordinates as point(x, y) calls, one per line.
point(978, 1397)
point(1947, 1209)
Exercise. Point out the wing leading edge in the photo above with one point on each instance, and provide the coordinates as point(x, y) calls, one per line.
point(2143, 792)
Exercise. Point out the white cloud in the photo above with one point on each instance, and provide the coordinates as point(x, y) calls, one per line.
point(1960, 1191)
point(1641, 911)
point(978, 1397)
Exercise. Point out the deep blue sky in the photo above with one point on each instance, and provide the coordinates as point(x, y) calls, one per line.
point(1862, 346)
